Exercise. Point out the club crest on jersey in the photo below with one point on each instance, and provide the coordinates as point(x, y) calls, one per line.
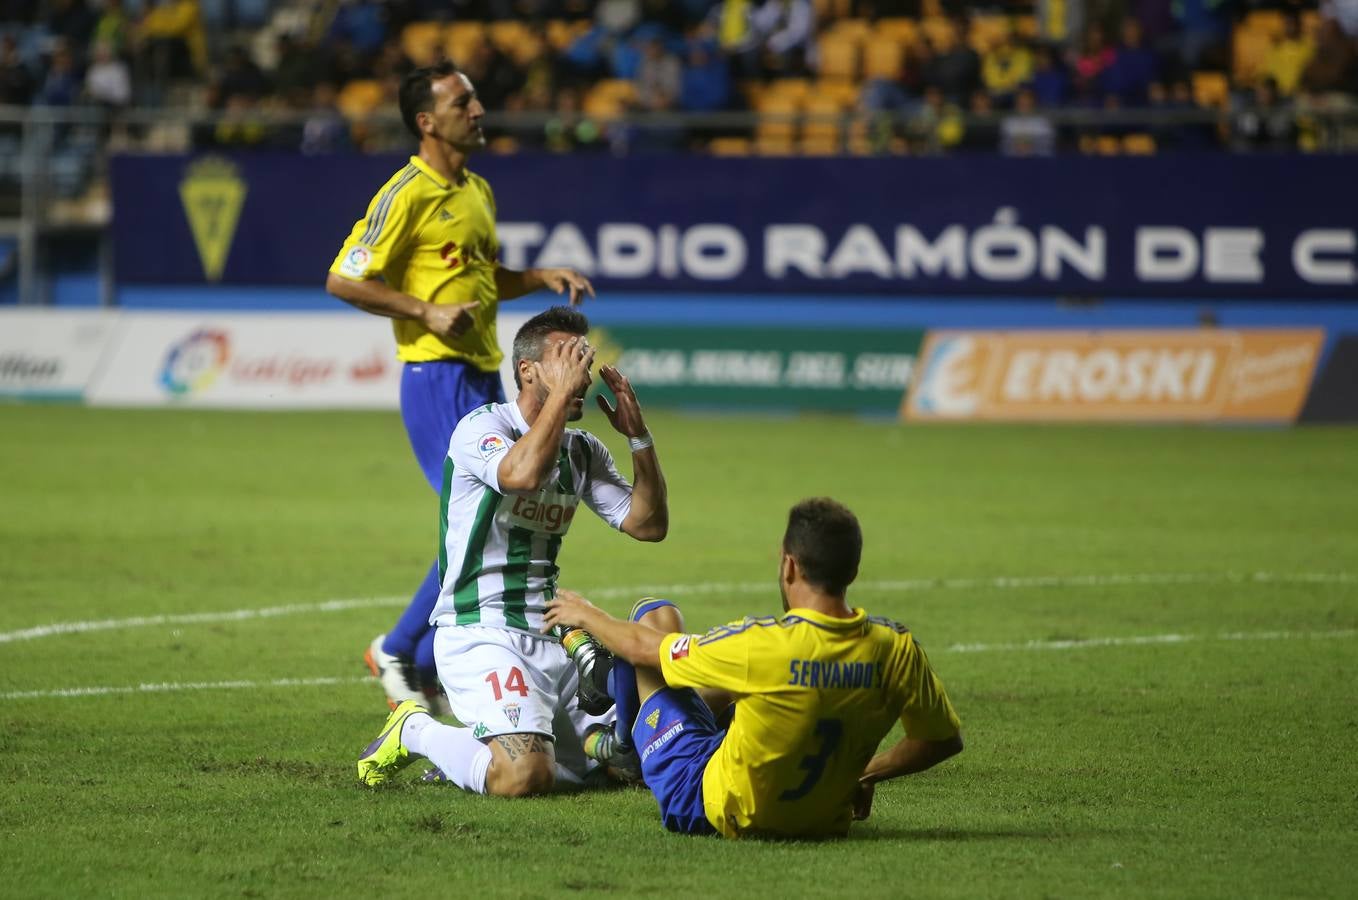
point(490, 444)
point(511, 711)
point(356, 262)
point(679, 649)
point(654, 718)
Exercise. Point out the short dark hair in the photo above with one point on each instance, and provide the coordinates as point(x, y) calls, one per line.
point(417, 92)
point(530, 340)
point(824, 538)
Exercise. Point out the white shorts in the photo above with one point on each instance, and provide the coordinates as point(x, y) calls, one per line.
point(506, 682)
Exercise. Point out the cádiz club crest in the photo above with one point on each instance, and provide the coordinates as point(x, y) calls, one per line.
point(212, 193)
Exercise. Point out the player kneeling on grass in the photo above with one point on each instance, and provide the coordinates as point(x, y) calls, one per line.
point(513, 479)
point(815, 691)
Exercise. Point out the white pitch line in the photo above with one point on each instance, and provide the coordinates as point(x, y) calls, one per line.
point(1074, 644)
point(167, 687)
point(710, 587)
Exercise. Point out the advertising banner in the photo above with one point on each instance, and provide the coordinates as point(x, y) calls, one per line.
point(1179, 375)
point(258, 361)
point(1235, 226)
point(731, 367)
point(47, 354)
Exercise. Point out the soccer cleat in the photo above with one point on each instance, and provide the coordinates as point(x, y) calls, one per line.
point(434, 776)
point(387, 755)
point(593, 663)
point(396, 673)
point(620, 760)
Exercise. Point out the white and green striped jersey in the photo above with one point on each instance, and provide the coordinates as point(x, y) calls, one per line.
point(497, 550)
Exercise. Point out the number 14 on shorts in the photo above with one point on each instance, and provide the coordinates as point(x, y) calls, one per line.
point(513, 683)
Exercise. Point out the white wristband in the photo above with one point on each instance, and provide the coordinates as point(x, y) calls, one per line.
point(641, 443)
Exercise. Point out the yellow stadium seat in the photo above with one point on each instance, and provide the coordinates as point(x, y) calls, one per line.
point(844, 91)
point(505, 34)
point(422, 42)
point(461, 38)
point(1107, 145)
point(561, 33)
point(777, 120)
point(903, 30)
point(987, 31)
point(792, 88)
point(883, 58)
point(1250, 46)
point(939, 31)
point(823, 118)
point(1269, 22)
point(359, 97)
point(504, 145)
point(774, 146)
point(729, 146)
point(819, 146)
point(608, 99)
point(838, 57)
point(617, 88)
point(1210, 89)
point(1138, 145)
point(525, 49)
point(1026, 27)
point(829, 10)
point(854, 29)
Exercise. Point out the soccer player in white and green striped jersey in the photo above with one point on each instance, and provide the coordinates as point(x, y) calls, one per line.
point(513, 479)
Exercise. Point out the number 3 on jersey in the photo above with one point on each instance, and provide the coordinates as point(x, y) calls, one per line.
point(514, 684)
point(829, 731)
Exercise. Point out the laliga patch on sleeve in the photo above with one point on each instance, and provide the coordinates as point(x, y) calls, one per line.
point(355, 263)
point(491, 444)
point(679, 649)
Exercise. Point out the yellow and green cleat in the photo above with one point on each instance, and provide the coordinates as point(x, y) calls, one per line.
point(387, 755)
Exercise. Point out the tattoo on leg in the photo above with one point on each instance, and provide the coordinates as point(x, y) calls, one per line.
point(516, 745)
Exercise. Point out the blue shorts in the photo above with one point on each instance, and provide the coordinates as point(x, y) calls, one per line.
point(434, 398)
point(675, 753)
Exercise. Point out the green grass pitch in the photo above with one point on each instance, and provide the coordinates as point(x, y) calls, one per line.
point(1145, 716)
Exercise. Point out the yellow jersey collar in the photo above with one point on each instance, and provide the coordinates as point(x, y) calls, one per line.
point(428, 170)
point(819, 618)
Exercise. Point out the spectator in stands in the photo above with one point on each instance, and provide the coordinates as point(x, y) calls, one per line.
point(732, 21)
point(1134, 66)
point(1204, 29)
point(787, 30)
point(108, 82)
point(1332, 67)
point(112, 27)
point(61, 86)
point(1289, 56)
point(296, 72)
point(951, 65)
point(1060, 22)
point(325, 130)
point(1051, 83)
point(241, 125)
point(983, 131)
point(1091, 63)
point(569, 129)
point(1025, 131)
point(1344, 12)
point(239, 77)
point(706, 84)
point(494, 74)
point(1268, 123)
point(362, 23)
point(659, 77)
point(938, 125)
point(1005, 68)
point(17, 84)
point(73, 23)
point(169, 43)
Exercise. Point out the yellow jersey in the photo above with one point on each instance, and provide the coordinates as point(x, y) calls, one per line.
point(435, 241)
point(815, 695)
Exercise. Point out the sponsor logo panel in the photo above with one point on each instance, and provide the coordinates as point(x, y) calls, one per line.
point(52, 354)
point(1171, 375)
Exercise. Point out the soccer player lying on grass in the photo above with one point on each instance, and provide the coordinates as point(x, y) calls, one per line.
point(815, 691)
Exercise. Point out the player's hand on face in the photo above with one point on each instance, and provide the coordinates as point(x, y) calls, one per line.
point(567, 281)
point(565, 366)
point(862, 801)
point(565, 609)
point(449, 321)
point(626, 417)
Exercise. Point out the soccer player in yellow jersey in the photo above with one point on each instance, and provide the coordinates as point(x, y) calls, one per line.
point(815, 691)
point(425, 255)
